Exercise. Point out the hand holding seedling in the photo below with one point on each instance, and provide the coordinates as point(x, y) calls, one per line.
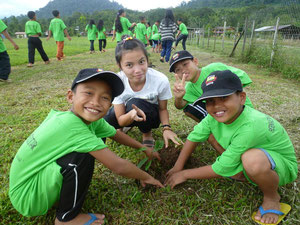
point(179, 86)
point(170, 135)
point(137, 114)
point(152, 181)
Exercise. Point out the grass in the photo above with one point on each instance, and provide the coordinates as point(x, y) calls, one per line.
point(34, 91)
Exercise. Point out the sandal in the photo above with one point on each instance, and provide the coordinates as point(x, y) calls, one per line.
point(149, 143)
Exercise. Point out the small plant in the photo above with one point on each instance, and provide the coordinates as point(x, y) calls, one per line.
point(157, 147)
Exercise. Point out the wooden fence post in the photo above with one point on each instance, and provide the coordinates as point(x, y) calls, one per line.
point(223, 38)
point(274, 42)
point(208, 33)
point(245, 35)
point(252, 32)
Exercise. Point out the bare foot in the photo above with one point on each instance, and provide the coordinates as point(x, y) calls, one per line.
point(47, 62)
point(29, 65)
point(82, 219)
point(269, 203)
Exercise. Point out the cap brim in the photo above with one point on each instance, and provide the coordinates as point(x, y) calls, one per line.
point(215, 94)
point(171, 68)
point(111, 78)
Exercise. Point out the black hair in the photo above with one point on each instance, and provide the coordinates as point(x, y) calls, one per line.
point(179, 20)
point(142, 18)
point(118, 24)
point(100, 25)
point(149, 24)
point(55, 13)
point(128, 44)
point(158, 21)
point(31, 14)
point(91, 23)
point(169, 17)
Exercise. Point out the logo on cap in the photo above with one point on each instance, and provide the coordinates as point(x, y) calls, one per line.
point(175, 56)
point(99, 70)
point(210, 80)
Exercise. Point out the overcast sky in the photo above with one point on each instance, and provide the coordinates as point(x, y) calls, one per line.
point(18, 7)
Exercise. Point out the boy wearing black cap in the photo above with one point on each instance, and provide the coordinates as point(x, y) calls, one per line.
point(185, 67)
point(56, 162)
point(255, 145)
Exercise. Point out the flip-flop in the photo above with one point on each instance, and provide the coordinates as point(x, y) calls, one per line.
point(93, 218)
point(284, 210)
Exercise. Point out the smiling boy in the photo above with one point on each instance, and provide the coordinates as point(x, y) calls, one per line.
point(255, 145)
point(189, 77)
point(56, 162)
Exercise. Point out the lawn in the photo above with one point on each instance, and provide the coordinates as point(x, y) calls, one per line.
point(26, 101)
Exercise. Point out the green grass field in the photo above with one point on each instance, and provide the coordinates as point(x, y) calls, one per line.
point(33, 92)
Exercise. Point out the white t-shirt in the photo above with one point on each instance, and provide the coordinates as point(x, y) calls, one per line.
point(157, 87)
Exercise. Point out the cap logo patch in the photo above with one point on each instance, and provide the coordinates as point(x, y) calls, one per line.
point(210, 80)
point(99, 70)
point(175, 56)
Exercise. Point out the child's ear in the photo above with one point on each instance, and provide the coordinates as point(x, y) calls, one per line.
point(243, 97)
point(70, 96)
point(195, 60)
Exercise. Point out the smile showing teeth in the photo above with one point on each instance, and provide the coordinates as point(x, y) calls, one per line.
point(220, 113)
point(92, 110)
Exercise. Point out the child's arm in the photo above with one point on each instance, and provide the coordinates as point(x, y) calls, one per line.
point(6, 34)
point(123, 167)
point(125, 119)
point(204, 172)
point(114, 35)
point(164, 118)
point(49, 34)
point(67, 34)
point(124, 139)
point(179, 92)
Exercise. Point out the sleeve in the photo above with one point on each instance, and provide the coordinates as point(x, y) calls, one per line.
point(104, 129)
point(165, 92)
point(3, 26)
point(229, 163)
point(128, 23)
point(26, 28)
point(50, 26)
point(38, 28)
point(190, 95)
point(63, 26)
point(86, 27)
point(201, 131)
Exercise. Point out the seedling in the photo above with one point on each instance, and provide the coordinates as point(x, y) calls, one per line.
point(157, 147)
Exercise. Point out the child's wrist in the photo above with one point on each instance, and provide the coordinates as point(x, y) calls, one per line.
point(166, 127)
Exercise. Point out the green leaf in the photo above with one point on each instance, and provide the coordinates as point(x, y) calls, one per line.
point(142, 149)
point(142, 162)
point(148, 165)
point(159, 144)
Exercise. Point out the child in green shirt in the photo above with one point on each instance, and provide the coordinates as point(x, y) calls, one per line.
point(91, 34)
point(101, 35)
point(255, 146)
point(5, 67)
point(34, 31)
point(182, 34)
point(58, 29)
point(56, 162)
point(141, 31)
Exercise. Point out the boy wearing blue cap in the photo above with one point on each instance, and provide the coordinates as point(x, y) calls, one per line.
point(56, 162)
point(255, 145)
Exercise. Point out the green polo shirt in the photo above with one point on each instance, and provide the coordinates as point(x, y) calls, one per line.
point(101, 34)
point(32, 28)
point(149, 33)
point(57, 27)
point(3, 27)
point(125, 25)
point(140, 32)
point(92, 32)
point(155, 34)
point(183, 29)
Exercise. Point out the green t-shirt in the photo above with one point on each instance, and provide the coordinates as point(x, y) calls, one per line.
point(3, 27)
point(252, 129)
point(140, 32)
point(35, 179)
point(149, 33)
point(32, 28)
point(92, 32)
point(101, 34)
point(183, 29)
point(194, 91)
point(57, 27)
point(125, 25)
point(155, 34)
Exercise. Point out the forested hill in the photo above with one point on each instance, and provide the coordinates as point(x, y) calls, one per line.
point(231, 3)
point(68, 7)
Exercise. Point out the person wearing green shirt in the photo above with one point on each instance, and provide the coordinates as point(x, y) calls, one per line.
point(56, 162)
point(155, 36)
point(121, 26)
point(141, 31)
point(34, 31)
point(189, 77)
point(255, 147)
point(58, 28)
point(149, 33)
point(101, 35)
point(182, 34)
point(91, 34)
point(5, 67)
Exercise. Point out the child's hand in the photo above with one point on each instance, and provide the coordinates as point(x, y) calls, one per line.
point(172, 171)
point(179, 87)
point(152, 181)
point(170, 135)
point(175, 178)
point(137, 114)
point(150, 154)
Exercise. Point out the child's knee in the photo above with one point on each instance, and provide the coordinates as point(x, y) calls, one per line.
point(255, 162)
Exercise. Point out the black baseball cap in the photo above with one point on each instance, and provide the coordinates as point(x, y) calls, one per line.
point(112, 79)
point(179, 56)
point(220, 84)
